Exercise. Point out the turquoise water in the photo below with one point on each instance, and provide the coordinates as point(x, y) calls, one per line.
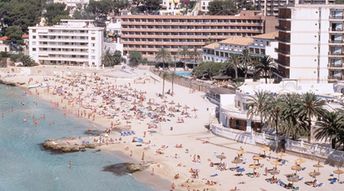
point(183, 73)
point(24, 166)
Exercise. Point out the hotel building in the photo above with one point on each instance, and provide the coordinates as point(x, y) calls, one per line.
point(75, 42)
point(149, 33)
point(311, 42)
point(260, 45)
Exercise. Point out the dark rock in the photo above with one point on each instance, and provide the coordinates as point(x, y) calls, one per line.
point(121, 169)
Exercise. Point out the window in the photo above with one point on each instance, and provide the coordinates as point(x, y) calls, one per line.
point(34, 37)
point(93, 38)
point(33, 49)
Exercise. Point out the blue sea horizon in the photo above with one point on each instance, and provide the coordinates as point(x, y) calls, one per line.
point(25, 166)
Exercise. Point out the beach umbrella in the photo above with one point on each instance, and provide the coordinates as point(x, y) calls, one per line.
point(253, 166)
point(300, 160)
point(318, 165)
point(296, 167)
point(178, 105)
point(257, 158)
point(194, 109)
point(293, 179)
point(314, 174)
point(172, 102)
point(221, 156)
point(338, 172)
point(237, 161)
point(274, 172)
point(276, 163)
point(186, 107)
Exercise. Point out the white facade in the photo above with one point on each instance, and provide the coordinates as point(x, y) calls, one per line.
point(204, 5)
point(4, 47)
point(260, 45)
point(72, 3)
point(74, 42)
point(113, 30)
point(312, 45)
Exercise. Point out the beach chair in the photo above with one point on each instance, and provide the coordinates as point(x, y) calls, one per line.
point(332, 180)
point(213, 175)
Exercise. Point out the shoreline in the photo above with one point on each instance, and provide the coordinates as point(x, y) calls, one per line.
point(197, 141)
point(156, 182)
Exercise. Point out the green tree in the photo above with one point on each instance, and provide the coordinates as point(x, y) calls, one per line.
point(55, 12)
point(110, 60)
point(246, 62)
point(292, 124)
point(331, 127)
point(265, 68)
point(184, 53)
point(258, 105)
point(222, 7)
point(14, 33)
point(27, 61)
point(163, 56)
point(233, 62)
point(311, 106)
point(21, 13)
point(117, 57)
point(195, 55)
point(135, 58)
point(207, 70)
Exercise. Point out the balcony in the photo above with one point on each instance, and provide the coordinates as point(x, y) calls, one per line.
point(336, 16)
point(283, 28)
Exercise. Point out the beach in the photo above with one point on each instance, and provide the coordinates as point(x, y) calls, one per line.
point(171, 130)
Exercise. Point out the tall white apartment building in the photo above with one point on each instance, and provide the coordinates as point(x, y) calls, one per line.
point(311, 42)
point(270, 7)
point(74, 42)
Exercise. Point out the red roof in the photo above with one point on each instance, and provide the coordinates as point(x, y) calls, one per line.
point(4, 38)
point(25, 36)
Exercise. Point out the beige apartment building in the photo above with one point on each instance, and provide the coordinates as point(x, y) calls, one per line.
point(149, 33)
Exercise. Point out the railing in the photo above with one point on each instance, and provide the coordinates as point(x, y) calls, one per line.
point(301, 147)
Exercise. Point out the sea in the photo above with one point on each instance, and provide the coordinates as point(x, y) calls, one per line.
point(24, 166)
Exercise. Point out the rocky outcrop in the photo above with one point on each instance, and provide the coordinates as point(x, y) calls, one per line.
point(63, 146)
point(7, 83)
point(125, 168)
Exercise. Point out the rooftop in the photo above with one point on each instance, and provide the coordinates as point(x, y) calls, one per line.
point(212, 45)
point(269, 36)
point(242, 41)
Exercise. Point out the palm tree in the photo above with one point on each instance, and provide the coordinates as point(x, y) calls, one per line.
point(164, 75)
point(163, 56)
point(184, 53)
point(331, 127)
point(275, 107)
point(107, 59)
point(233, 62)
point(246, 61)
point(135, 58)
point(264, 67)
point(258, 105)
point(292, 124)
point(195, 55)
point(311, 106)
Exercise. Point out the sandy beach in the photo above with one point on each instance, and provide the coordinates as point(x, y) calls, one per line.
point(170, 129)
